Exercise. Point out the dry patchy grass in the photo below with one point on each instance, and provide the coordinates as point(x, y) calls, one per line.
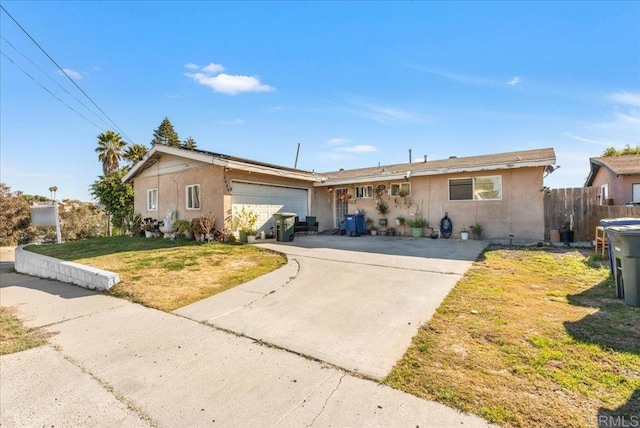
point(549, 344)
point(165, 274)
point(15, 337)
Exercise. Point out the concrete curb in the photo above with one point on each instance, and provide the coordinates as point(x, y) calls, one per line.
point(47, 267)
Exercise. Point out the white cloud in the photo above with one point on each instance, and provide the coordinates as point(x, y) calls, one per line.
point(211, 76)
point(461, 78)
point(514, 81)
point(71, 73)
point(387, 115)
point(213, 68)
point(626, 98)
point(338, 141)
point(585, 140)
point(360, 148)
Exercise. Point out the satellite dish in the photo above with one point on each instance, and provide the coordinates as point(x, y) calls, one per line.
point(381, 187)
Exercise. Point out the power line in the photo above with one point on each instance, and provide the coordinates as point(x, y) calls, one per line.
point(51, 93)
point(54, 81)
point(65, 73)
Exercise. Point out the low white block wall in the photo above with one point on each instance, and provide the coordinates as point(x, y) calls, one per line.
point(41, 266)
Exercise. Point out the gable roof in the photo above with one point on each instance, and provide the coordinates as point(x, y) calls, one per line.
point(619, 165)
point(527, 158)
point(218, 159)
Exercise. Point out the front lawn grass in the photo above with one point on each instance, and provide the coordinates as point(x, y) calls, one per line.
point(15, 337)
point(166, 274)
point(529, 337)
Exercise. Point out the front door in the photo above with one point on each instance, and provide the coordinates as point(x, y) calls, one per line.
point(341, 204)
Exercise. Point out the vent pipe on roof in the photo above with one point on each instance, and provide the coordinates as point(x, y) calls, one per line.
point(409, 155)
point(425, 158)
point(295, 165)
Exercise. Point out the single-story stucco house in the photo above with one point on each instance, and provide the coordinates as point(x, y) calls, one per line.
point(504, 191)
point(617, 179)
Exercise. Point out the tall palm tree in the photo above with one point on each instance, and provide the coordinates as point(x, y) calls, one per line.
point(134, 152)
point(110, 146)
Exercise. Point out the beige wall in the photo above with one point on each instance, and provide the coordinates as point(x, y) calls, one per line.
point(520, 211)
point(620, 187)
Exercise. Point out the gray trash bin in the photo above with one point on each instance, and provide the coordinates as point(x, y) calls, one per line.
point(620, 221)
point(285, 223)
point(625, 241)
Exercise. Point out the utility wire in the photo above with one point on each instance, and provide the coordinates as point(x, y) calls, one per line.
point(51, 93)
point(54, 81)
point(65, 73)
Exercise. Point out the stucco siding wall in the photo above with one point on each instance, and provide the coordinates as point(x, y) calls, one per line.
point(520, 211)
point(172, 194)
point(620, 188)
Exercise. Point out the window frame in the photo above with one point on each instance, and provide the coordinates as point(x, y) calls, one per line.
point(395, 188)
point(186, 197)
point(473, 187)
point(364, 192)
point(149, 193)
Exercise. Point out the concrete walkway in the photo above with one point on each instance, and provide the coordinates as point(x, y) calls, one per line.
point(111, 362)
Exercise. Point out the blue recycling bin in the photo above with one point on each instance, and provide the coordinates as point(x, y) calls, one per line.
point(626, 255)
point(622, 221)
point(354, 224)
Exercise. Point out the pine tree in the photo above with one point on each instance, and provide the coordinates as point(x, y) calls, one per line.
point(189, 143)
point(165, 134)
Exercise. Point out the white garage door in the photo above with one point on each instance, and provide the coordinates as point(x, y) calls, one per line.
point(267, 200)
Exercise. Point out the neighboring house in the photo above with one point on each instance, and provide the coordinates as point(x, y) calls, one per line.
point(617, 179)
point(503, 191)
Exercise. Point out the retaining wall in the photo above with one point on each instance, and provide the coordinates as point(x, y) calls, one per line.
point(41, 266)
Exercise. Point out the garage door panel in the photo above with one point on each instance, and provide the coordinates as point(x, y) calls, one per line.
point(267, 200)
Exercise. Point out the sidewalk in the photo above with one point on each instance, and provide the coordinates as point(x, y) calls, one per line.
point(111, 362)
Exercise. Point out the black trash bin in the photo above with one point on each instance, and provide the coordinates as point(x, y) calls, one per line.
point(621, 221)
point(625, 241)
point(285, 223)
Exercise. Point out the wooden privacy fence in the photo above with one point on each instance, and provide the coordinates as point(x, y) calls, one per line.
point(582, 202)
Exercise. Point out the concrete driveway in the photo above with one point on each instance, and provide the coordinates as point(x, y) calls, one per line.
point(351, 302)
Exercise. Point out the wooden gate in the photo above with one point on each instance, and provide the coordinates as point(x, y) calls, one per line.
point(582, 202)
point(560, 204)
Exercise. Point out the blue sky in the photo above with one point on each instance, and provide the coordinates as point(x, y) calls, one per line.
point(356, 83)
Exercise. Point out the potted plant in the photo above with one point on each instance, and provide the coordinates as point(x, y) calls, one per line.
point(368, 222)
point(149, 226)
point(416, 225)
point(184, 227)
point(464, 233)
point(246, 223)
point(383, 209)
point(391, 231)
point(400, 220)
point(476, 231)
point(373, 229)
point(132, 224)
point(566, 234)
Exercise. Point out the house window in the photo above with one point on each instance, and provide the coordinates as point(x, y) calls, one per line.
point(604, 194)
point(400, 189)
point(152, 200)
point(193, 197)
point(364, 192)
point(476, 188)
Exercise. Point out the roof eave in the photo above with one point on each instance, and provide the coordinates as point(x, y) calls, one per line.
point(438, 171)
point(218, 161)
